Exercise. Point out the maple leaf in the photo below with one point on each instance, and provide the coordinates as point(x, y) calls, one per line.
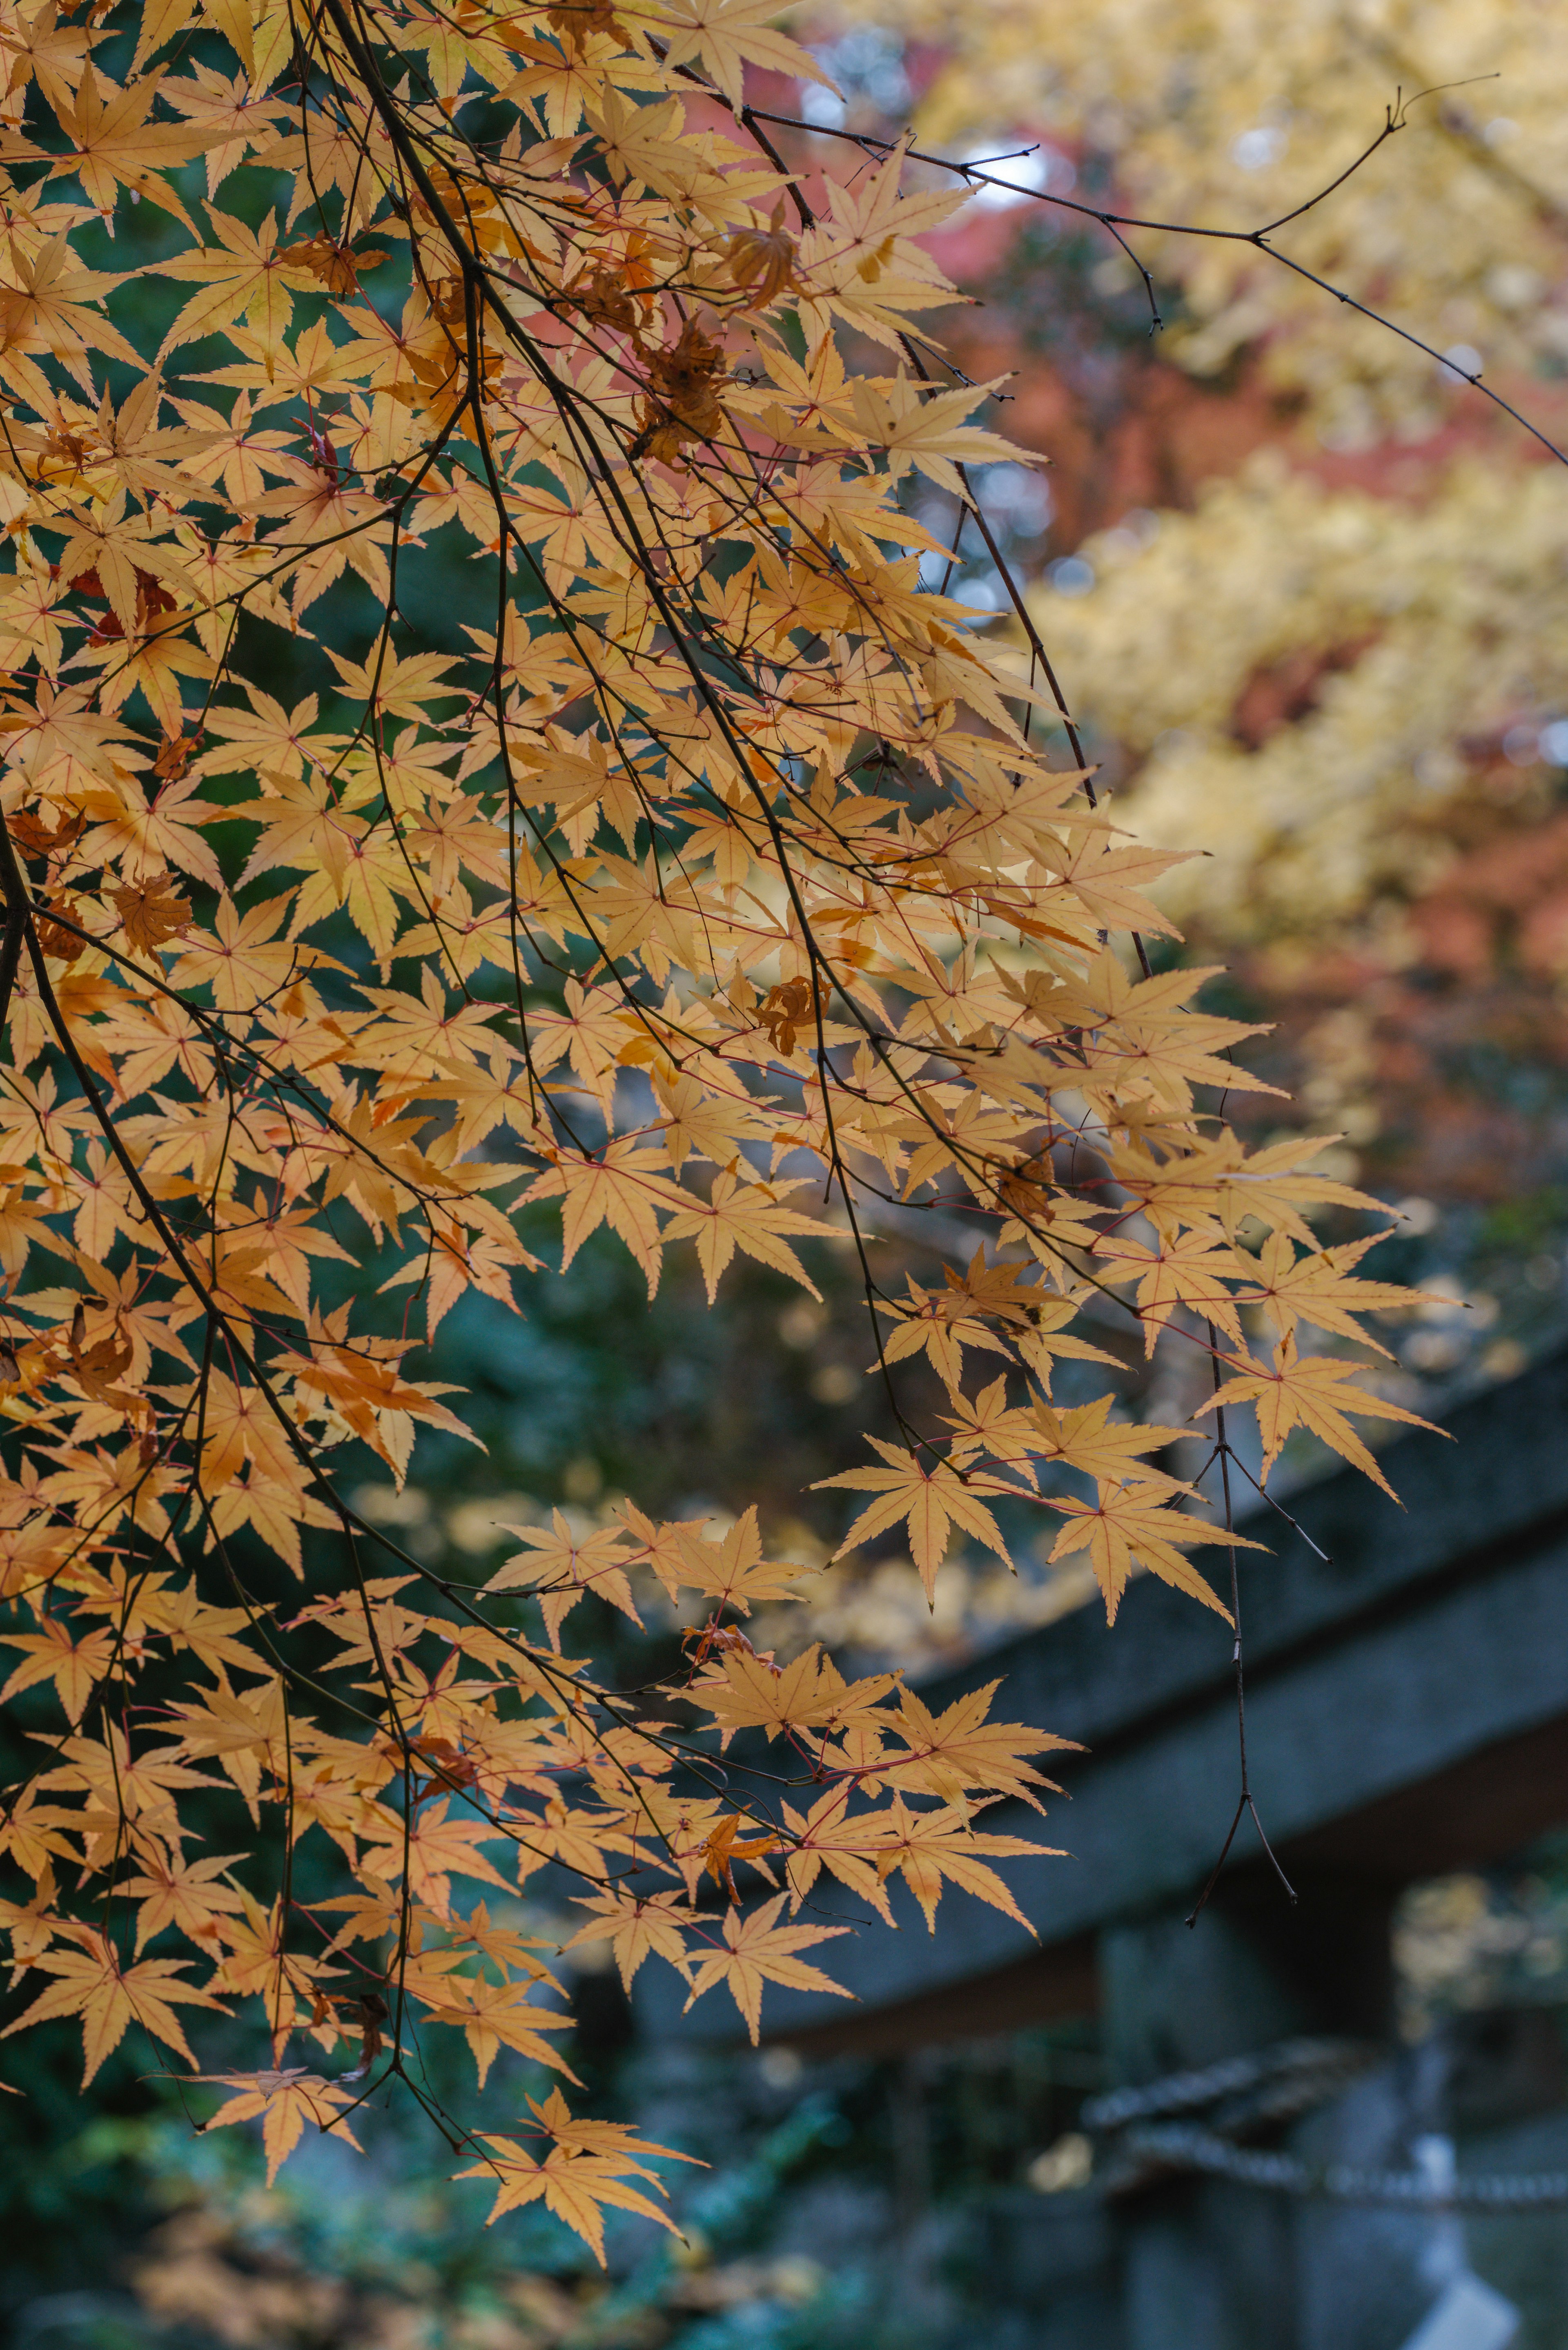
point(492, 2016)
point(846, 1844)
point(188, 1894)
point(32, 1925)
point(756, 1951)
point(120, 555)
point(274, 743)
point(1320, 1288)
point(731, 1573)
point(242, 960)
point(724, 1844)
point(652, 1925)
point(925, 1847)
point(747, 1216)
point(283, 2103)
point(1186, 1269)
point(863, 262)
point(232, 117)
point(587, 2168)
point(929, 1495)
point(1088, 1440)
point(1220, 1186)
point(54, 54)
point(256, 1964)
point(1318, 1392)
point(242, 1730)
point(559, 1571)
point(726, 35)
point(247, 277)
point(50, 307)
point(303, 824)
point(619, 1189)
point(696, 1121)
point(92, 1982)
point(152, 913)
point(1132, 1522)
point(506, 1948)
point(960, 1750)
point(928, 431)
point(76, 1667)
point(114, 145)
point(747, 1691)
point(783, 1011)
point(436, 1848)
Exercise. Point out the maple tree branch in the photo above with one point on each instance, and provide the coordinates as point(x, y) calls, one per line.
point(1245, 1802)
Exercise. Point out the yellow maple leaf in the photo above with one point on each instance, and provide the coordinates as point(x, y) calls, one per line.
point(284, 2101)
point(1321, 1288)
point(929, 1495)
point(559, 1570)
point(748, 1216)
point(1319, 1392)
point(1087, 1439)
point(1132, 1521)
point(492, 2016)
point(960, 1750)
point(725, 35)
point(757, 1950)
point(92, 1982)
point(76, 1667)
point(927, 429)
point(743, 1692)
point(587, 2169)
point(925, 1847)
point(621, 1188)
point(650, 1925)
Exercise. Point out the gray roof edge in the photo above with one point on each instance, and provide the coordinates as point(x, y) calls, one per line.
point(1494, 1485)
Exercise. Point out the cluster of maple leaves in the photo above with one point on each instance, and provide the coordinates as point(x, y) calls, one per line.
point(725, 861)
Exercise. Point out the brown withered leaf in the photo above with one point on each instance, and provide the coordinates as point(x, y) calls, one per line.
point(781, 1010)
point(1025, 1188)
point(683, 405)
point(64, 943)
point(152, 912)
point(579, 17)
point(337, 267)
point(763, 259)
point(34, 838)
point(176, 754)
point(95, 1369)
point(371, 2013)
point(605, 298)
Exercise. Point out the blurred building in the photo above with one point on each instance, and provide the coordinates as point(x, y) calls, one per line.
point(1273, 2157)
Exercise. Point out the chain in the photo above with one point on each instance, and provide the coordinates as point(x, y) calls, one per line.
point(1180, 2146)
point(1275, 2086)
point(1333, 2060)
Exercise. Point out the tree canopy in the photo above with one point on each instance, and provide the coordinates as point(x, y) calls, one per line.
point(485, 725)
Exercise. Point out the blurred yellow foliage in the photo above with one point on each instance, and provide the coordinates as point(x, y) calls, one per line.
point(1312, 623)
point(1294, 667)
point(1231, 112)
